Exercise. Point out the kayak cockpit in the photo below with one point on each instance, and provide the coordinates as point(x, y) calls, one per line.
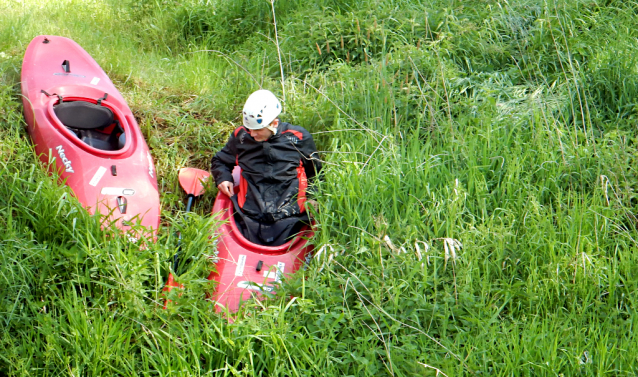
point(94, 124)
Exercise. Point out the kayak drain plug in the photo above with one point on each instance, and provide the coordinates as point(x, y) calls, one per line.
point(259, 265)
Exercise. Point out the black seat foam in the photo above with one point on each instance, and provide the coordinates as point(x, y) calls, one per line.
point(83, 115)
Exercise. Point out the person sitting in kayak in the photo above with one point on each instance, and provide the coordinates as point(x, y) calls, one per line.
point(276, 159)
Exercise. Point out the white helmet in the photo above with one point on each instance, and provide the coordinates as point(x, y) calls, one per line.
point(261, 108)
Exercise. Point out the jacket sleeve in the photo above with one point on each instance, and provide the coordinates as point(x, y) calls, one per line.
point(223, 162)
point(311, 162)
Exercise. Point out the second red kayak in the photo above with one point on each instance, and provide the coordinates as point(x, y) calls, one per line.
point(245, 269)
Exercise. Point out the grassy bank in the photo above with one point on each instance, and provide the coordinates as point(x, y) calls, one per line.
point(504, 127)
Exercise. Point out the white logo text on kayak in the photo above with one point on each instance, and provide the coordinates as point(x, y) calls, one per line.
point(65, 161)
point(150, 164)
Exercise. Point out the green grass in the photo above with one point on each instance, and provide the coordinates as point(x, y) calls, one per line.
point(508, 126)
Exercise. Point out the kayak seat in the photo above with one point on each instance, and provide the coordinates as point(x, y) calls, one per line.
point(93, 124)
point(83, 115)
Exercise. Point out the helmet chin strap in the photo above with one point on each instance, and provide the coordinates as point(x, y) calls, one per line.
point(273, 126)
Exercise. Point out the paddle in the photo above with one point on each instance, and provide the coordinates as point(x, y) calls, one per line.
point(191, 180)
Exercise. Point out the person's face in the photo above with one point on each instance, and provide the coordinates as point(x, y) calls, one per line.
point(262, 134)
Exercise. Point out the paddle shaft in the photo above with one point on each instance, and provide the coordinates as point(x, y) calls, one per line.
point(189, 204)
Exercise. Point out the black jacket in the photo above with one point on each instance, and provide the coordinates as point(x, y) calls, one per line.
point(274, 172)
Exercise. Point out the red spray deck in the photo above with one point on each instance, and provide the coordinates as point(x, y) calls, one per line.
point(245, 269)
point(95, 142)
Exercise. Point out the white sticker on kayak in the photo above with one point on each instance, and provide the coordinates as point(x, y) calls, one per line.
point(270, 274)
point(98, 175)
point(119, 191)
point(95, 81)
point(280, 271)
point(241, 263)
point(255, 286)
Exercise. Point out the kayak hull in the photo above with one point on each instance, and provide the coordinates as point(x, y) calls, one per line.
point(120, 184)
point(245, 270)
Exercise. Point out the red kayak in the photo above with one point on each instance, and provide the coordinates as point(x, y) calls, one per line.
point(79, 121)
point(245, 269)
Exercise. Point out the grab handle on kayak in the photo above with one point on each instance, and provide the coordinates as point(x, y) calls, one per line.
point(121, 204)
point(66, 66)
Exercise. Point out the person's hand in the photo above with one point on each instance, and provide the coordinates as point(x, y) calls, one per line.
point(226, 187)
point(313, 203)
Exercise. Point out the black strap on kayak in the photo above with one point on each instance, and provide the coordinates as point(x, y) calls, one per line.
point(66, 66)
point(118, 127)
point(54, 94)
point(116, 133)
point(99, 101)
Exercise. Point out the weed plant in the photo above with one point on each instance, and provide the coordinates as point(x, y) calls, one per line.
point(477, 212)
